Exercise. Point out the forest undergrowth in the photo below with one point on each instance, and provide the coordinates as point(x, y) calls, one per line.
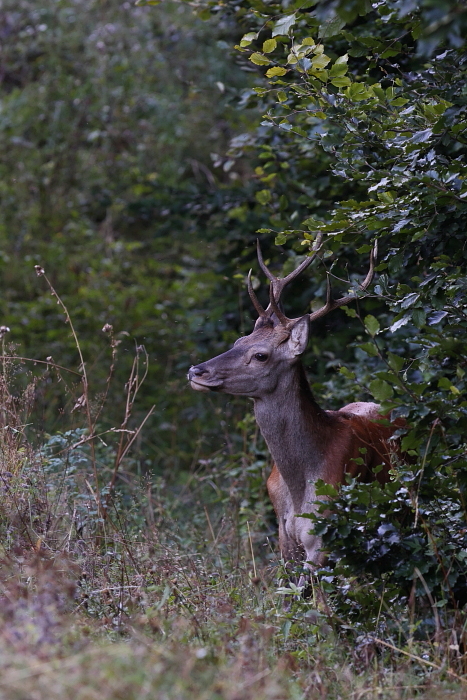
point(118, 584)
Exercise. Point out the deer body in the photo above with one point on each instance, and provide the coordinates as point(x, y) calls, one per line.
point(306, 442)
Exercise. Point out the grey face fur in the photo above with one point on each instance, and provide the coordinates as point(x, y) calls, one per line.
point(256, 363)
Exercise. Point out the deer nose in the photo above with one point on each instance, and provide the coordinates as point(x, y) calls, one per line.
point(197, 371)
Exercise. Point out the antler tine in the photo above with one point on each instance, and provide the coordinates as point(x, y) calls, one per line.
point(274, 306)
point(262, 265)
point(254, 298)
point(331, 304)
point(277, 283)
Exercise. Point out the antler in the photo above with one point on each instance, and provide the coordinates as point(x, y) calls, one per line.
point(332, 304)
point(278, 284)
point(254, 298)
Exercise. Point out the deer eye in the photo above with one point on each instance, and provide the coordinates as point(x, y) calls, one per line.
point(261, 357)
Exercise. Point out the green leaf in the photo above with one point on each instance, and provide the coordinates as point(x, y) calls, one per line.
point(445, 383)
point(409, 300)
point(259, 60)
point(339, 68)
point(371, 324)
point(263, 196)
point(323, 489)
point(347, 373)
point(357, 92)
point(320, 62)
point(269, 45)
point(395, 362)
point(248, 38)
point(410, 441)
point(331, 27)
point(342, 59)
point(419, 317)
point(349, 311)
point(421, 136)
point(276, 71)
point(284, 25)
point(381, 390)
point(341, 82)
point(369, 348)
point(399, 323)
point(322, 75)
point(379, 92)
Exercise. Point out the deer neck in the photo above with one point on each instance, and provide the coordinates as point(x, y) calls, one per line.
point(294, 427)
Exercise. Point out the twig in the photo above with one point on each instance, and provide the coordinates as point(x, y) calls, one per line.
point(84, 378)
point(419, 659)
point(251, 549)
point(435, 423)
point(124, 453)
point(40, 362)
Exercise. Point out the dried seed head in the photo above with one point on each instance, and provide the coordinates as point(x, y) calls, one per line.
point(107, 328)
point(39, 270)
point(80, 403)
point(3, 330)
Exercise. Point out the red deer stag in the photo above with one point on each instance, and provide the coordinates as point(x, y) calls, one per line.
point(306, 442)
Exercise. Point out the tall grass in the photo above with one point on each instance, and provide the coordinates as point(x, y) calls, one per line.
point(117, 584)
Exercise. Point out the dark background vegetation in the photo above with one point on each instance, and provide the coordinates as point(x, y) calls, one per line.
point(142, 155)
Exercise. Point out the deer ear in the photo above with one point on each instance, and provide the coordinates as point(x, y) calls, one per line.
point(298, 339)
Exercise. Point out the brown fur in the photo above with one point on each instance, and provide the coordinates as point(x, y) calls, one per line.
point(343, 434)
point(307, 443)
point(349, 433)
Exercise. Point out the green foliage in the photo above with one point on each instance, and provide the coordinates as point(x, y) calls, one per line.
point(116, 178)
point(401, 546)
point(113, 128)
point(362, 139)
point(192, 603)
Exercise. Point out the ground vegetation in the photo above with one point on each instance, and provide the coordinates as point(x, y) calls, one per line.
point(143, 151)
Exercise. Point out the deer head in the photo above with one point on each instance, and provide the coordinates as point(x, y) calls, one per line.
point(258, 362)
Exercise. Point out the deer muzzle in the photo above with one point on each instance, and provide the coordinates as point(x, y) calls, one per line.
point(198, 376)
